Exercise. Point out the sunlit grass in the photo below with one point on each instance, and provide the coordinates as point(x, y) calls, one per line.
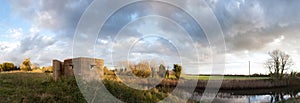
point(23, 87)
point(34, 86)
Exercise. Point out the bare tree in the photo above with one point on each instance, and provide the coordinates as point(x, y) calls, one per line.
point(270, 65)
point(278, 63)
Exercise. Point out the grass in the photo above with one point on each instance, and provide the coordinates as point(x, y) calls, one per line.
point(130, 95)
point(291, 100)
point(37, 87)
point(31, 87)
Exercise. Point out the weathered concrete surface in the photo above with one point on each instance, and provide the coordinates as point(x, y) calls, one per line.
point(66, 68)
point(88, 69)
point(56, 69)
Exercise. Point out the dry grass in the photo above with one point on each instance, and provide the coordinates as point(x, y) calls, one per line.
point(29, 87)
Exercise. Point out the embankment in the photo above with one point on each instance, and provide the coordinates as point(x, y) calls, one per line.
point(231, 84)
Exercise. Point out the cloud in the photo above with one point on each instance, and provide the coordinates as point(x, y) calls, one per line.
point(251, 26)
point(60, 16)
point(50, 33)
point(15, 33)
point(31, 45)
point(36, 42)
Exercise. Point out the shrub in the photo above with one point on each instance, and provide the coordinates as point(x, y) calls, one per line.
point(8, 66)
point(26, 65)
point(130, 95)
point(177, 70)
point(143, 73)
point(298, 74)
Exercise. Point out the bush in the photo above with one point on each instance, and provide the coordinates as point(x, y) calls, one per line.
point(48, 69)
point(0, 67)
point(26, 65)
point(143, 73)
point(298, 74)
point(177, 70)
point(130, 95)
point(8, 66)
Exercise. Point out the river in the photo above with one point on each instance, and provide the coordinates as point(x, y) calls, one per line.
point(226, 97)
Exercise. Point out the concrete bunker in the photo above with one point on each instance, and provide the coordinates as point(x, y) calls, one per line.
point(66, 68)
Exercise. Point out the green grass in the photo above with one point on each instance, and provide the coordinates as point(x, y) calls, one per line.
point(40, 87)
point(291, 100)
point(222, 77)
point(37, 87)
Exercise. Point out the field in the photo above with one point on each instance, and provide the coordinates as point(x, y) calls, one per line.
point(37, 87)
point(19, 87)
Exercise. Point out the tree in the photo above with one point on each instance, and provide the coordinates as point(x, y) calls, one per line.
point(298, 74)
point(8, 66)
point(142, 69)
point(293, 74)
point(162, 70)
point(0, 67)
point(50, 68)
point(177, 70)
point(35, 66)
point(167, 75)
point(26, 65)
point(278, 63)
point(47, 69)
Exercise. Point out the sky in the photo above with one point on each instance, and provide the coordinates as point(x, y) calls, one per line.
point(44, 30)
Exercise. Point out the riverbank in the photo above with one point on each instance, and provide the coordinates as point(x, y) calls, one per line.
point(229, 84)
point(250, 84)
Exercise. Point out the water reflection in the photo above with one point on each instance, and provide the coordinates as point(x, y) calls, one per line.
point(276, 97)
point(223, 97)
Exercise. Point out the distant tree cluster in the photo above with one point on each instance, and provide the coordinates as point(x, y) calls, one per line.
point(35, 66)
point(26, 65)
point(142, 69)
point(6, 66)
point(146, 68)
point(48, 69)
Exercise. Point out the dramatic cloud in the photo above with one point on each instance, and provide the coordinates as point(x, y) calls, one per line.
point(43, 30)
point(60, 16)
point(48, 31)
point(251, 25)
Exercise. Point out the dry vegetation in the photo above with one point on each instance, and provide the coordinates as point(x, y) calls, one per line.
point(37, 87)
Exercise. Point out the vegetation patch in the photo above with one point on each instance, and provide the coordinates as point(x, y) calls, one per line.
point(38, 87)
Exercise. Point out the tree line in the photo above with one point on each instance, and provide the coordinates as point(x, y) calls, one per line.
point(8, 66)
point(26, 65)
point(145, 69)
